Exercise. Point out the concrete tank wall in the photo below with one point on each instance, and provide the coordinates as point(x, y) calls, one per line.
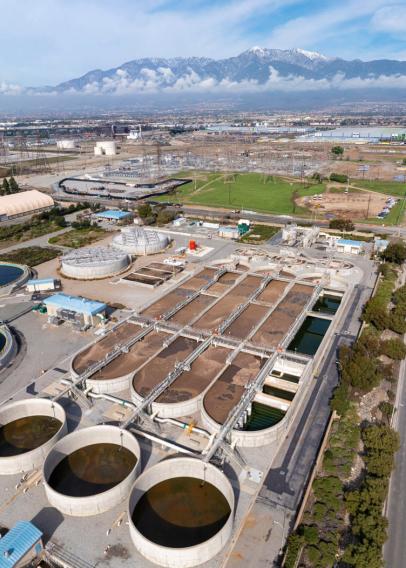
point(32, 407)
point(193, 555)
point(10, 349)
point(20, 280)
point(105, 269)
point(94, 504)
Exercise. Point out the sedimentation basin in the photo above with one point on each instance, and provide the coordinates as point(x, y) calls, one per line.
point(28, 429)
point(91, 470)
point(181, 512)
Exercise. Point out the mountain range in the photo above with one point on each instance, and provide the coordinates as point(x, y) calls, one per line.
point(255, 70)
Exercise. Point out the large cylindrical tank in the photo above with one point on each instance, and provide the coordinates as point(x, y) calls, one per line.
point(91, 470)
point(107, 147)
point(140, 242)
point(28, 430)
point(91, 263)
point(181, 512)
point(65, 144)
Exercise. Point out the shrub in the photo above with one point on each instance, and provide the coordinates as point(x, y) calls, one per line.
point(340, 178)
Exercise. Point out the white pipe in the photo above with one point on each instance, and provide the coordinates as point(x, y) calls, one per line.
point(162, 441)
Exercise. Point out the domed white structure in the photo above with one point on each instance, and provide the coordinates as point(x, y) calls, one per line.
point(138, 241)
point(90, 263)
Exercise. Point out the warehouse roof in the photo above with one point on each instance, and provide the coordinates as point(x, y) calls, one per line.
point(40, 281)
point(17, 542)
point(350, 242)
point(24, 202)
point(113, 214)
point(75, 304)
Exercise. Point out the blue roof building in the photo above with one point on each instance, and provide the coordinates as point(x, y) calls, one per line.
point(113, 215)
point(74, 308)
point(23, 541)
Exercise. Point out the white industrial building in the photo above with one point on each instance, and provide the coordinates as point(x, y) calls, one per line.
point(24, 203)
point(292, 235)
point(140, 242)
point(106, 148)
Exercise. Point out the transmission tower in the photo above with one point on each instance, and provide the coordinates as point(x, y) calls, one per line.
point(41, 161)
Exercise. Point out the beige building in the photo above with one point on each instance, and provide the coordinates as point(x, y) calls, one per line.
point(24, 203)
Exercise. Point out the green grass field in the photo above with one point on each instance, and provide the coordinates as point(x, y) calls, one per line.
point(250, 191)
point(387, 187)
point(32, 256)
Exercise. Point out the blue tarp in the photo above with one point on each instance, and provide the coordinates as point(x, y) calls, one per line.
point(17, 542)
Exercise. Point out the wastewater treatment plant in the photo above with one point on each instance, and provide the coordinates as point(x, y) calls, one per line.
point(154, 437)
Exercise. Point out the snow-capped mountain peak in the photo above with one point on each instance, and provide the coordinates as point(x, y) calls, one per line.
point(313, 55)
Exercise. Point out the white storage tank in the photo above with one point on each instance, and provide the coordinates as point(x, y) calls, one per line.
point(140, 242)
point(90, 263)
point(106, 148)
point(65, 144)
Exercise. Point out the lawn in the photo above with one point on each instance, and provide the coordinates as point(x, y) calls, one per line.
point(387, 187)
point(259, 233)
point(250, 191)
point(31, 256)
point(77, 238)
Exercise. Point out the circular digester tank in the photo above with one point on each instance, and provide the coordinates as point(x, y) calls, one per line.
point(91, 470)
point(140, 242)
point(90, 263)
point(28, 430)
point(181, 512)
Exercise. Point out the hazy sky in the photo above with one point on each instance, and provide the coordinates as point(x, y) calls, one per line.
point(48, 41)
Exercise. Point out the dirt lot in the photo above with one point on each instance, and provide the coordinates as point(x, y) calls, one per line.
point(355, 205)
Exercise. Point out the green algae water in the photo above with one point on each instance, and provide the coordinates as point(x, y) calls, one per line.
point(262, 417)
point(92, 470)
point(26, 434)
point(181, 512)
point(327, 304)
point(307, 340)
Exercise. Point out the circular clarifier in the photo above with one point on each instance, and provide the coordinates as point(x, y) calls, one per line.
point(91, 470)
point(28, 429)
point(9, 273)
point(181, 512)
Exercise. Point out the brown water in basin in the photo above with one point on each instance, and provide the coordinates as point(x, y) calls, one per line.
point(181, 512)
point(26, 434)
point(92, 469)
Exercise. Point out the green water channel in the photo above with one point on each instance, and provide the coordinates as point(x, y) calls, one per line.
point(280, 393)
point(327, 304)
point(263, 416)
point(181, 512)
point(307, 340)
point(286, 377)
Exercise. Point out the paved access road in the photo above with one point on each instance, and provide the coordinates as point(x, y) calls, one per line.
point(267, 525)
